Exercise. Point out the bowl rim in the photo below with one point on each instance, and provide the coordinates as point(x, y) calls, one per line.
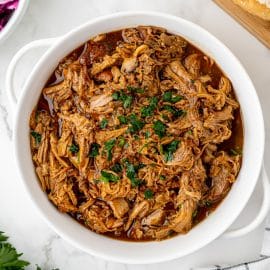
point(14, 20)
point(62, 231)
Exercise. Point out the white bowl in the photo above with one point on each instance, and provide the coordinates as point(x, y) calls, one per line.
point(210, 228)
point(14, 20)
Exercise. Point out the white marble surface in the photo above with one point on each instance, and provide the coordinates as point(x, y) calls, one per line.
point(49, 18)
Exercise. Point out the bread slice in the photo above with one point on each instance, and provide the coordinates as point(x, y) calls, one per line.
point(260, 8)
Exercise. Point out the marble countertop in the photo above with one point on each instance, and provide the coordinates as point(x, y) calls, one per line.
point(50, 18)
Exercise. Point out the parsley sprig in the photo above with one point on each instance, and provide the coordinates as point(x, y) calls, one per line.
point(9, 257)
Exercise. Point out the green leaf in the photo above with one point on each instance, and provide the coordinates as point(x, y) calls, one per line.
point(36, 136)
point(122, 96)
point(131, 172)
point(3, 238)
point(162, 177)
point(147, 134)
point(122, 119)
point(236, 151)
point(74, 148)
point(169, 149)
point(9, 258)
point(149, 110)
point(168, 97)
point(122, 141)
point(148, 194)
point(94, 150)
point(108, 177)
point(135, 89)
point(174, 111)
point(115, 96)
point(136, 123)
point(117, 167)
point(127, 101)
point(159, 128)
point(108, 148)
point(103, 123)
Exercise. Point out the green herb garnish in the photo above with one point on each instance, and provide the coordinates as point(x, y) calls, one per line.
point(131, 172)
point(121, 142)
point(174, 111)
point(9, 257)
point(148, 194)
point(94, 150)
point(117, 167)
point(169, 149)
point(103, 123)
point(162, 177)
point(122, 96)
point(236, 152)
point(135, 89)
point(122, 119)
point(147, 134)
point(169, 97)
point(195, 213)
point(136, 123)
point(149, 110)
point(36, 136)
point(108, 177)
point(159, 128)
point(116, 95)
point(74, 148)
point(108, 148)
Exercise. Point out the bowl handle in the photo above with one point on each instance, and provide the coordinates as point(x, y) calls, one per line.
point(260, 216)
point(16, 58)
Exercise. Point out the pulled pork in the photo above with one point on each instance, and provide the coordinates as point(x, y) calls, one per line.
point(131, 136)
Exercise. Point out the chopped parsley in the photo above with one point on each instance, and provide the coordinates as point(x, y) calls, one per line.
point(169, 149)
point(135, 123)
point(149, 110)
point(169, 97)
point(162, 177)
point(94, 150)
point(174, 111)
point(108, 148)
point(159, 128)
point(117, 167)
point(108, 177)
point(236, 152)
point(147, 134)
point(103, 123)
point(122, 96)
point(122, 119)
point(74, 148)
point(135, 89)
point(195, 213)
point(9, 257)
point(36, 136)
point(131, 172)
point(115, 96)
point(121, 141)
point(148, 194)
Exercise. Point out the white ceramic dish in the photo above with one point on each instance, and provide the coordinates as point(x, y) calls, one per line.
point(14, 20)
point(213, 226)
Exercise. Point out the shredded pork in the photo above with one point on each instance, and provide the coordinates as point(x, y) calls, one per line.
point(131, 139)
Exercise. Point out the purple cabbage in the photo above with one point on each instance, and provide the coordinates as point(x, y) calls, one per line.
point(7, 7)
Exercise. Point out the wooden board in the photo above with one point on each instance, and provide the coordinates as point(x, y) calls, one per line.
point(256, 26)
